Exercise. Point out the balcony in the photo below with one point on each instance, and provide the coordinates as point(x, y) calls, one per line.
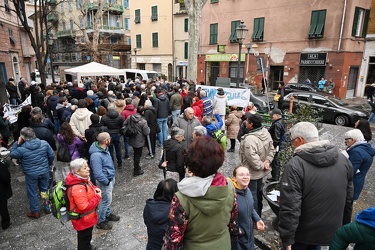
point(90, 6)
point(52, 17)
point(107, 29)
point(66, 33)
point(112, 7)
point(52, 2)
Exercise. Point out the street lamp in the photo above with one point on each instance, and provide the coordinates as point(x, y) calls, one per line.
point(135, 57)
point(249, 46)
point(241, 32)
point(50, 43)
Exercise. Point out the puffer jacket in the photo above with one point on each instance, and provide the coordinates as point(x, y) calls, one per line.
point(188, 126)
point(360, 232)
point(80, 121)
point(95, 99)
point(315, 195)
point(220, 102)
point(36, 156)
point(213, 127)
point(101, 164)
point(150, 116)
point(256, 147)
point(113, 121)
point(43, 133)
point(143, 130)
point(233, 124)
point(198, 109)
point(128, 111)
point(84, 200)
point(162, 106)
point(73, 147)
point(174, 156)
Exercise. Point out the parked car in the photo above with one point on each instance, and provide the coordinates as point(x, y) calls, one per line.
point(334, 110)
point(260, 100)
point(293, 87)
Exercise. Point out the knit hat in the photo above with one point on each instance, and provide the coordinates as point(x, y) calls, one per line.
point(90, 92)
point(220, 91)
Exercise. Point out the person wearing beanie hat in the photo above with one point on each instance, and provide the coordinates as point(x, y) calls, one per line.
point(172, 160)
point(256, 153)
point(220, 104)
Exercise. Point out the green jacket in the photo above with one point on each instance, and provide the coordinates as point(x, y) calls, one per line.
point(208, 218)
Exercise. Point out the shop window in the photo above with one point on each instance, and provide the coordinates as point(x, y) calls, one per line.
point(154, 13)
point(360, 22)
point(318, 19)
point(137, 14)
point(233, 35)
point(258, 29)
point(155, 40)
point(213, 33)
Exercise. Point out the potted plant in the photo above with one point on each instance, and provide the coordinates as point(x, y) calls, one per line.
point(304, 112)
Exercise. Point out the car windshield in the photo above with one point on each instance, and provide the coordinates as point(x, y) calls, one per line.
point(152, 75)
point(336, 101)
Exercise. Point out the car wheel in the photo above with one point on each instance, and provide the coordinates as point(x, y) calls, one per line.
point(342, 120)
point(257, 107)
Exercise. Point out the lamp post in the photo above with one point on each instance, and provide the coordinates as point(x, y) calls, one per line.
point(135, 57)
point(50, 43)
point(248, 47)
point(241, 32)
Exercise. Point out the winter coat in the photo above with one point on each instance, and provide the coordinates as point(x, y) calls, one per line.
point(78, 93)
point(220, 102)
point(73, 147)
point(36, 156)
point(80, 121)
point(90, 134)
point(95, 99)
point(188, 126)
point(23, 120)
point(143, 130)
point(4, 127)
point(12, 90)
point(256, 147)
point(5, 182)
point(155, 217)
point(315, 195)
point(128, 111)
point(101, 164)
point(150, 116)
point(43, 133)
point(52, 103)
point(175, 102)
point(120, 105)
point(37, 98)
point(361, 232)
point(162, 106)
point(174, 156)
point(361, 155)
point(113, 121)
point(233, 124)
point(198, 109)
point(246, 217)
point(60, 110)
point(84, 199)
point(207, 106)
point(277, 130)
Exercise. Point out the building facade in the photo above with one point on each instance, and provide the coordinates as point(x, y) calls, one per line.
point(295, 40)
point(181, 39)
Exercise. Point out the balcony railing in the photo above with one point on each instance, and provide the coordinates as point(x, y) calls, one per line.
point(52, 2)
point(66, 33)
point(52, 17)
point(113, 7)
point(91, 6)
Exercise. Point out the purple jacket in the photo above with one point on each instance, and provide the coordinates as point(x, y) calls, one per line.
point(73, 148)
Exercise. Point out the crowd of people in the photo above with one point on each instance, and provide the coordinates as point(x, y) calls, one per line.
point(197, 206)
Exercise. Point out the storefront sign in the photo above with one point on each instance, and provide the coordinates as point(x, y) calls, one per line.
point(313, 59)
point(224, 58)
point(182, 63)
point(237, 97)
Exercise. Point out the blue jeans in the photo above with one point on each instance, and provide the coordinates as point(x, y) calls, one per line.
point(33, 182)
point(127, 147)
point(115, 142)
point(372, 116)
point(105, 203)
point(13, 101)
point(56, 124)
point(175, 114)
point(163, 135)
point(255, 187)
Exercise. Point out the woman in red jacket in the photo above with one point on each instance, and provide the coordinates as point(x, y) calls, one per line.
point(84, 198)
point(197, 106)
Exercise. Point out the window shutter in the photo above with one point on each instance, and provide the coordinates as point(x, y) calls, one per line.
point(313, 23)
point(319, 31)
point(365, 23)
point(186, 50)
point(259, 35)
point(256, 28)
point(355, 21)
point(186, 25)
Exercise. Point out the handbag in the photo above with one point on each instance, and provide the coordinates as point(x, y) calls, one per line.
point(63, 153)
point(276, 97)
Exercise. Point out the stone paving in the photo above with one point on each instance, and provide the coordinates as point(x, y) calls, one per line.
point(129, 198)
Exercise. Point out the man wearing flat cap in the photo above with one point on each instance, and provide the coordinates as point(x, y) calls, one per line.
point(256, 152)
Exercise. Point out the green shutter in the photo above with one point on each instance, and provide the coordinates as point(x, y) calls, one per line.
point(186, 50)
point(313, 23)
point(154, 13)
point(259, 35)
point(355, 21)
point(137, 14)
point(214, 1)
point(186, 25)
point(365, 23)
point(320, 24)
point(138, 41)
point(256, 28)
point(213, 33)
point(155, 40)
point(233, 35)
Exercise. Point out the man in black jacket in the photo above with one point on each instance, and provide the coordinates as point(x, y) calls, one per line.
point(316, 191)
point(41, 132)
point(277, 131)
point(162, 111)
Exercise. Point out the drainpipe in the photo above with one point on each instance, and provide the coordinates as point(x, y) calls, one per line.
point(342, 26)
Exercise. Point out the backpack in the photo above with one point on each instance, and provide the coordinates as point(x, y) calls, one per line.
point(130, 129)
point(220, 137)
point(94, 137)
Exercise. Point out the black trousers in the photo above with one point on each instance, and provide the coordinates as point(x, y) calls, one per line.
point(232, 143)
point(137, 159)
point(84, 238)
point(5, 219)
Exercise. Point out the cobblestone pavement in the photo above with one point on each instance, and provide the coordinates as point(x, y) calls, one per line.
point(128, 201)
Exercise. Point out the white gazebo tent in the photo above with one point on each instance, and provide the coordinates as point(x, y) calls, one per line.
point(94, 69)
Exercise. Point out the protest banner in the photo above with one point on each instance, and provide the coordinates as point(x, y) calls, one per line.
point(236, 97)
point(13, 110)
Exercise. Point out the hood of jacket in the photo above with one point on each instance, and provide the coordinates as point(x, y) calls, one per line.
point(363, 146)
point(367, 217)
point(82, 113)
point(157, 211)
point(162, 97)
point(59, 106)
point(261, 133)
point(73, 179)
point(137, 117)
point(33, 144)
point(318, 153)
point(129, 107)
point(171, 144)
point(112, 114)
point(152, 109)
point(220, 96)
point(119, 103)
point(198, 104)
point(93, 97)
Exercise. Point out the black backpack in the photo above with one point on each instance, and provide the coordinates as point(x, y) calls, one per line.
point(130, 129)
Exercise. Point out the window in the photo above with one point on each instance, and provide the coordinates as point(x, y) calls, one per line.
point(77, 4)
point(138, 41)
point(6, 5)
point(360, 22)
point(258, 29)
point(71, 24)
point(117, 20)
point(70, 6)
point(137, 15)
point(154, 13)
point(63, 25)
point(114, 40)
point(214, 1)
point(213, 33)
point(126, 20)
point(62, 7)
point(11, 38)
point(186, 50)
point(318, 19)
point(233, 35)
point(81, 22)
point(186, 24)
point(88, 20)
point(155, 40)
point(126, 4)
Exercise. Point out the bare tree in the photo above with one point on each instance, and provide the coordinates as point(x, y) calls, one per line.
point(194, 11)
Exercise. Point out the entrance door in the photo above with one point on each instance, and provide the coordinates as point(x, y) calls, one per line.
point(215, 70)
point(352, 81)
point(313, 73)
point(276, 76)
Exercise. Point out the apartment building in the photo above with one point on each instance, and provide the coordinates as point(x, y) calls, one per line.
point(152, 36)
point(180, 38)
point(296, 39)
point(75, 23)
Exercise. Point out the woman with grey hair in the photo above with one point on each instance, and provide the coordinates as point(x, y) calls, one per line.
point(199, 131)
point(172, 161)
point(84, 198)
point(361, 155)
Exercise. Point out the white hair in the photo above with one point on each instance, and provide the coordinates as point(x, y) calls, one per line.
point(76, 164)
point(355, 134)
point(306, 130)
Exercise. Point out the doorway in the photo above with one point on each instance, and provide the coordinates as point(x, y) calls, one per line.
point(214, 72)
point(276, 76)
point(352, 81)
